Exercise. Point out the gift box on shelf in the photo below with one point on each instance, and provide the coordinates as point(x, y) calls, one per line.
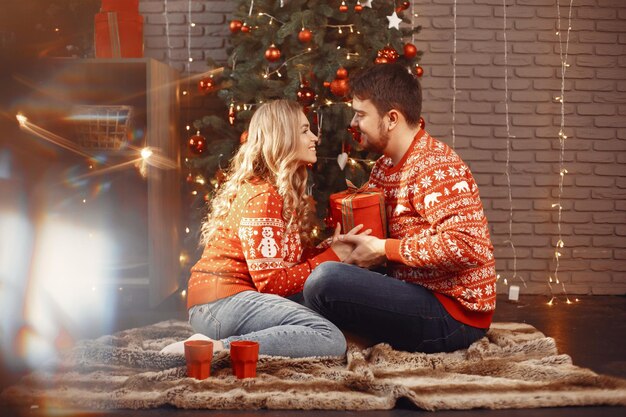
point(120, 6)
point(119, 30)
point(356, 206)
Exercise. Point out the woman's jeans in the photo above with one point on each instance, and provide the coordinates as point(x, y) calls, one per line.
point(383, 309)
point(281, 326)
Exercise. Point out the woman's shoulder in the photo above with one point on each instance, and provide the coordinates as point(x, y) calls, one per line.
point(256, 187)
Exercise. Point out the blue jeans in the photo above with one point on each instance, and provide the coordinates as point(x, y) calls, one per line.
point(383, 309)
point(281, 326)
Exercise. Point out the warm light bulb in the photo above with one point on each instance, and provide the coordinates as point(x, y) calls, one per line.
point(188, 127)
point(187, 230)
point(190, 59)
point(193, 25)
point(183, 293)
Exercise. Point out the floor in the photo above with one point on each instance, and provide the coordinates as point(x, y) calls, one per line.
point(591, 331)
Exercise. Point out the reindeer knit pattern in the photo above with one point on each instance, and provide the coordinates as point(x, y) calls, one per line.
point(253, 250)
point(438, 234)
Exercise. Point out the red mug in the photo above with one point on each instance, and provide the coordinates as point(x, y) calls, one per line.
point(244, 355)
point(199, 354)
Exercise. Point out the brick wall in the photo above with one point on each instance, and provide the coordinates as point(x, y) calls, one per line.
point(593, 222)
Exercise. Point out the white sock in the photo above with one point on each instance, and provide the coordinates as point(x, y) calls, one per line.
point(178, 348)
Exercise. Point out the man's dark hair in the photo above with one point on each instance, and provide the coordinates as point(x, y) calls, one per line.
point(389, 86)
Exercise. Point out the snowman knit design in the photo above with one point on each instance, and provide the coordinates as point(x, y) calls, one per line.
point(253, 250)
point(438, 233)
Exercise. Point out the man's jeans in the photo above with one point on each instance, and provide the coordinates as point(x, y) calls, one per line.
point(407, 316)
point(281, 326)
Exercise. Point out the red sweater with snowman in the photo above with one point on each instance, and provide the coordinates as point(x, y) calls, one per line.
point(438, 234)
point(253, 250)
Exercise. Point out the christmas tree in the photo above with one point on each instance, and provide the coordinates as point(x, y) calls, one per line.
point(303, 50)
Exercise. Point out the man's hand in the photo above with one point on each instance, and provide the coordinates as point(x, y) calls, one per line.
point(369, 251)
point(343, 248)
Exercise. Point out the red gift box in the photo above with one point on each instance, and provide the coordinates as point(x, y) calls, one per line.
point(119, 35)
point(120, 6)
point(359, 206)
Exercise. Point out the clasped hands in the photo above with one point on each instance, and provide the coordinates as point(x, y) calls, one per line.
point(358, 249)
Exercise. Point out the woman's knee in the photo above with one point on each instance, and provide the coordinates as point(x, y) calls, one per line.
point(338, 343)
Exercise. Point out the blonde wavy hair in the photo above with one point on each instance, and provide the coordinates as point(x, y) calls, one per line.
point(268, 154)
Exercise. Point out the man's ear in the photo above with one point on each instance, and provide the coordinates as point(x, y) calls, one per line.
point(394, 118)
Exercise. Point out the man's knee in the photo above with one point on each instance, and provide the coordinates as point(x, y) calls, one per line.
point(322, 278)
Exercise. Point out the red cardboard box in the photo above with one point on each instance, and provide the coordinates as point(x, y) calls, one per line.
point(118, 35)
point(120, 6)
point(359, 206)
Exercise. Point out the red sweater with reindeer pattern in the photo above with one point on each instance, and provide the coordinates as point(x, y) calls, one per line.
point(438, 234)
point(253, 250)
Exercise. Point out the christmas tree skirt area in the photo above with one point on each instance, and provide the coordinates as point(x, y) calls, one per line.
point(514, 366)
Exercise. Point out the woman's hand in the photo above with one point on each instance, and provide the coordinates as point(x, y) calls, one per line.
point(341, 248)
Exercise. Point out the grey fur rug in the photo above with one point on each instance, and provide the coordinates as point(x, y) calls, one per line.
point(514, 366)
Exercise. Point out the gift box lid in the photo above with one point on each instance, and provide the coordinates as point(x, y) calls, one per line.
point(360, 199)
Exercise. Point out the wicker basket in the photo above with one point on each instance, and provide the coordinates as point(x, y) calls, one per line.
point(102, 128)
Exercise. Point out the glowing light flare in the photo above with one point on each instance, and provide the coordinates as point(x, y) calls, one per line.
point(42, 133)
point(21, 119)
point(59, 303)
point(146, 153)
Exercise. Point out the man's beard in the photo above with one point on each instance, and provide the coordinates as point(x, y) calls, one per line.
point(380, 145)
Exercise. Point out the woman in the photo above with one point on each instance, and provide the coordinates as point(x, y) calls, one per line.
point(259, 222)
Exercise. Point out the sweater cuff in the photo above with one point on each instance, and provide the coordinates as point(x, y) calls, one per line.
point(392, 250)
point(327, 255)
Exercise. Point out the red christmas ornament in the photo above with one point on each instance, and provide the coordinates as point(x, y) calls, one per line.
point(390, 54)
point(410, 51)
point(339, 86)
point(402, 7)
point(197, 144)
point(206, 85)
point(419, 70)
point(245, 28)
point(422, 123)
point(235, 26)
point(305, 36)
point(272, 54)
point(356, 134)
point(343, 8)
point(358, 7)
point(244, 137)
point(305, 95)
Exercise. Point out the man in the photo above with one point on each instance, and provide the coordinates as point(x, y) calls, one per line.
point(439, 291)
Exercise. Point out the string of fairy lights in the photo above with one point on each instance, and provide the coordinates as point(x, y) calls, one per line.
point(563, 53)
point(454, 37)
point(507, 171)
